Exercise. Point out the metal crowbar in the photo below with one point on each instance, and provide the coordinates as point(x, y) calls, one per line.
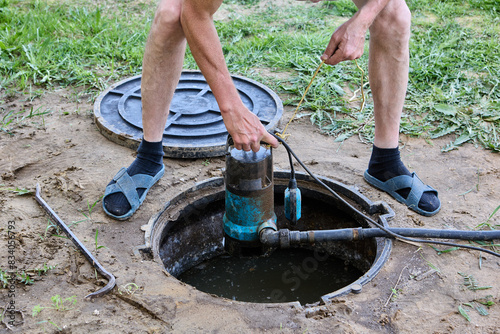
point(80, 246)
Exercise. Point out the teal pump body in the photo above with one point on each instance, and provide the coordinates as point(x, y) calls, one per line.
point(249, 197)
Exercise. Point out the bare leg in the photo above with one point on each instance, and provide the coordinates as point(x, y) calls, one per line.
point(388, 67)
point(162, 66)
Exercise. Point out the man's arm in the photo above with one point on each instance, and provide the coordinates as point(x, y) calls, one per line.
point(197, 22)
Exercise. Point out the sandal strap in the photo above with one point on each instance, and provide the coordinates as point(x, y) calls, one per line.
point(126, 185)
point(414, 183)
point(397, 183)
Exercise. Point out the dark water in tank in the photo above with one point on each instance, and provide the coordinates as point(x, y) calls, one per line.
point(286, 275)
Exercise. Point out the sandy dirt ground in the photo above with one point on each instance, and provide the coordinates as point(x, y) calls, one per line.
point(66, 154)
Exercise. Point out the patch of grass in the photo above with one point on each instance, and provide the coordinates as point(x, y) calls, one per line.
point(480, 304)
point(90, 208)
point(492, 5)
point(18, 191)
point(486, 223)
point(430, 264)
point(27, 276)
point(244, 2)
point(470, 282)
point(10, 120)
point(60, 43)
point(129, 288)
point(454, 67)
point(4, 278)
point(97, 246)
point(49, 322)
point(55, 227)
point(44, 269)
point(454, 74)
point(448, 250)
point(342, 7)
point(58, 304)
point(477, 305)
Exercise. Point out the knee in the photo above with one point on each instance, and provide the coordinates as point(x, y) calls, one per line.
point(167, 16)
point(393, 24)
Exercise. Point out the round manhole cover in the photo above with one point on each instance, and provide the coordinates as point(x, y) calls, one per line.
point(194, 128)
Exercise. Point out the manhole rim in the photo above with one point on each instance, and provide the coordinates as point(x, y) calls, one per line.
point(153, 238)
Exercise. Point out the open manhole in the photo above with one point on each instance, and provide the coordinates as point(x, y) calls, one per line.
point(194, 128)
point(187, 238)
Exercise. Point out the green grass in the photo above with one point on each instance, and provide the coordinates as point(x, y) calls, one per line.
point(23, 276)
point(454, 67)
point(9, 120)
point(454, 74)
point(51, 44)
point(58, 304)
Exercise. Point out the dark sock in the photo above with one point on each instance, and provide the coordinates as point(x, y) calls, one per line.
point(385, 163)
point(149, 161)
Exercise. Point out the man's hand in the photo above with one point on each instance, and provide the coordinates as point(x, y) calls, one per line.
point(246, 130)
point(346, 43)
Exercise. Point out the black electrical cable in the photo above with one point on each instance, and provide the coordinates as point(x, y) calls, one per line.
point(292, 168)
point(395, 235)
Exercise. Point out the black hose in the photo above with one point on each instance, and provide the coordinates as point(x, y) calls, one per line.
point(286, 237)
point(369, 219)
point(433, 233)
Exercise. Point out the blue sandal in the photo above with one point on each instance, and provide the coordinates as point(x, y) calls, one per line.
point(397, 183)
point(128, 185)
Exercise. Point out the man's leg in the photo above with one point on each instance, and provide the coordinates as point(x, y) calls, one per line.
point(162, 66)
point(388, 67)
point(388, 72)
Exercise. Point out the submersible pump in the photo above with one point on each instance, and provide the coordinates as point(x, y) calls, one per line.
point(249, 198)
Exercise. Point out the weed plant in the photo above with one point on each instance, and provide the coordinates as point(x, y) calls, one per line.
point(23, 276)
point(58, 304)
point(454, 68)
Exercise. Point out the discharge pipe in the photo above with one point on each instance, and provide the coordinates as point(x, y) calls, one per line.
point(284, 238)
